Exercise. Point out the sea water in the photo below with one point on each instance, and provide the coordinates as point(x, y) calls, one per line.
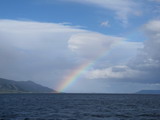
point(79, 107)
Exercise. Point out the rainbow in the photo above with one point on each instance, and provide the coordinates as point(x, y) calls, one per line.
point(80, 70)
point(77, 72)
point(73, 76)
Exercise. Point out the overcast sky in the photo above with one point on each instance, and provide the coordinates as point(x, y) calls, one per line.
point(47, 40)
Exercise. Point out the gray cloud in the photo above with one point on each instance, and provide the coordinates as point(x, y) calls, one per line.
point(144, 67)
point(148, 59)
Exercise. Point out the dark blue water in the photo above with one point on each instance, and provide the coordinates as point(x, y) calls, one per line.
point(79, 107)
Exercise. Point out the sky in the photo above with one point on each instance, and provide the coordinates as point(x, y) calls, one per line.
point(82, 46)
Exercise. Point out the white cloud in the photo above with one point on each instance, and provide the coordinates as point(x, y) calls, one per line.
point(91, 45)
point(153, 27)
point(122, 8)
point(115, 72)
point(105, 24)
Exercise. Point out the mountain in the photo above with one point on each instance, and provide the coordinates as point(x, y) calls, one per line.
point(149, 92)
point(11, 86)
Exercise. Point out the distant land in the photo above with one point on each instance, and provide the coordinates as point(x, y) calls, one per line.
point(148, 92)
point(11, 86)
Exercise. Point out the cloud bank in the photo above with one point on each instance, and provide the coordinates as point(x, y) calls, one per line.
point(46, 52)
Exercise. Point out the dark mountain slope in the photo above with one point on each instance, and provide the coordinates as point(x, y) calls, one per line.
point(22, 86)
